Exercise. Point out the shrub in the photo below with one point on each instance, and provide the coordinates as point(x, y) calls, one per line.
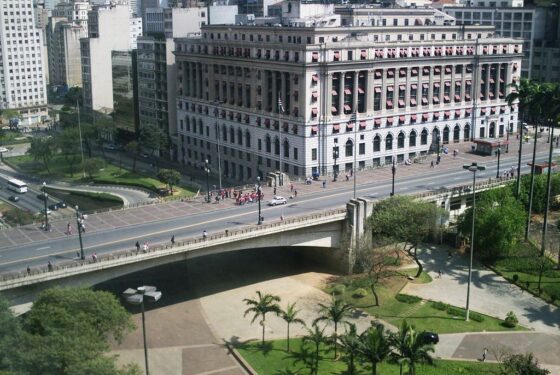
point(511, 320)
point(440, 306)
point(405, 298)
point(553, 290)
point(476, 317)
point(338, 289)
point(455, 311)
point(359, 293)
point(515, 278)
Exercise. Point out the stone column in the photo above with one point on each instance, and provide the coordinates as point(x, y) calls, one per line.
point(369, 89)
point(355, 92)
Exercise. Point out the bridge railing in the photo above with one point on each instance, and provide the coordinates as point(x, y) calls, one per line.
point(43, 273)
point(462, 189)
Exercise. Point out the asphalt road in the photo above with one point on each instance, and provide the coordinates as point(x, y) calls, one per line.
point(27, 201)
point(13, 258)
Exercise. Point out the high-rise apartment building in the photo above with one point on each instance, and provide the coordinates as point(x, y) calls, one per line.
point(22, 72)
point(315, 97)
point(157, 73)
point(109, 29)
point(66, 27)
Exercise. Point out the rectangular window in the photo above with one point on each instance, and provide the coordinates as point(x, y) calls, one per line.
point(313, 154)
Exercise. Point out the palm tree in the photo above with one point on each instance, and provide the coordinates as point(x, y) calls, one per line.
point(337, 312)
point(263, 304)
point(410, 348)
point(290, 317)
point(350, 345)
point(316, 337)
point(374, 346)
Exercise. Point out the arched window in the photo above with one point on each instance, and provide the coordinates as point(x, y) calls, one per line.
point(276, 146)
point(239, 137)
point(492, 130)
point(200, 131)
point(224, 133)
point(456, 133)
point(467, 132)
point(446, 135)
point(187, 123)
point(247, 139)
point(349, 148)
point(377, 143)
point(424, 137)
point(286, 148)
point(412, 139)
point(389, 142)
point(400, 140)
point(231, 135)
point(435, 138)
point(268, 144)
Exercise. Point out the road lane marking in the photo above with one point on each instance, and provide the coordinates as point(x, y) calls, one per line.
point(43, 248)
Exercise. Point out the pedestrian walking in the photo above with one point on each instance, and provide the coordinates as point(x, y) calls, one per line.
point(49, 266)
point(281, 217)
point(295, 193)
point(484, 353)
point(28, 270)
point(94, 257)
point(204, 234)
point(145, 247)
point(137, 246)
point(432, 164)
point(439, 274)
point(68, 229)
point(291, 187)
point(324, 184)
point(172, 240)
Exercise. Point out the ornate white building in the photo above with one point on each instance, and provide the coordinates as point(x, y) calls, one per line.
point(389, 84)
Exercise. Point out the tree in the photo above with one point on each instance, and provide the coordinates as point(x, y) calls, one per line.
point(262, 305)
point(10, 331)
point(68, 142)
point(410, 348)
point(374, 263)
point(12, 116)
point(405, 220)
point(152, 138)
point(93, 165)
point(336, 312)
point(133, 148)
point(315, 337)
point(499, 223)
point(103, 130)
point(74, 95)
point(521, 364)
point(42, 149)
point(67, 331)
point(170, 177)
point(374, 346)
point(290, 317)
point(350, 346)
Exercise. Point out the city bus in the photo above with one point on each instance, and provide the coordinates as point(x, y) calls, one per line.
point(17, 186)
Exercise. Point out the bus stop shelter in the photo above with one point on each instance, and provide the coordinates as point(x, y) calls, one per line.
point(489, 146)
point(542, 168)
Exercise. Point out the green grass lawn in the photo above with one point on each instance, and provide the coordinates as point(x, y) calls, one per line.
point(15, 216)
point(425, 315)
point(12, 137)
point(87, 201)
point(59, 169)
point(522, 268)
point(274, 360)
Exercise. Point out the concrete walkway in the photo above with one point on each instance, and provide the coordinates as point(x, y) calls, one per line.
point(490, 294)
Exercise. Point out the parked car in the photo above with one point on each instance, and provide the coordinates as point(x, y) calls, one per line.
point(53, 207)
point(41, 197)
point(48, 211)
point(61, 204)
point(110, 146)
point(13, 198)
point(276, 200)
point(429, 337)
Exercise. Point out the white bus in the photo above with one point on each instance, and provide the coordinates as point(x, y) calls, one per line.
point(17, 186)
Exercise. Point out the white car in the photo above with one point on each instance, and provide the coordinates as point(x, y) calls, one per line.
point(277, 200)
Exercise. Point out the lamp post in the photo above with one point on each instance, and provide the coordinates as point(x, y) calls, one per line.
point(498, 152)
point(259, 222)
point(532, 185)
point(507, 137)
point(207, 170)
point(45, 200)
point(354, 119)
point(474, 167)
point(136, 297)
point(393, 171)
point(518, 182)
point(335, 168)
point(79, 227)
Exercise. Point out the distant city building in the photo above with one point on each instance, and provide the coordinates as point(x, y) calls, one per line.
point(110, 28)
point(315, 97)
point(66, 27)
point(22, 72)
point(157, 73)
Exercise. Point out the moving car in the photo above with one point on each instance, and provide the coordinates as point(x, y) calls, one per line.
point(13, 198)
point(48, 211)
point(276, 200)
point(429, 337)
point(61, 204)
point(53, 207)
point(41, 197)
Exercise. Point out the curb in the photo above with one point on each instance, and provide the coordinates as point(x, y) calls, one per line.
point(239, 359)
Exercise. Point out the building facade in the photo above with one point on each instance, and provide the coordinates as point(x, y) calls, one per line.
point(317, 98)
point(22, 72)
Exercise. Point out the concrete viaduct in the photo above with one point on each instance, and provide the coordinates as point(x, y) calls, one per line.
point(331, 234)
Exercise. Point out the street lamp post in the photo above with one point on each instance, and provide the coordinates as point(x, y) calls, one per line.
point(498, 152)
point(393, 171)
point(259, 222)
point(207, 170)
point(507, 137)
point(531, 185)
point(136, 297)
point(518, 182)
point(79, 227)
point(474, 167)
point(45, 200)
point(335, 168)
